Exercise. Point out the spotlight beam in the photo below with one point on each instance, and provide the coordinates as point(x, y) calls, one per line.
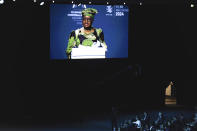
point(1, 1)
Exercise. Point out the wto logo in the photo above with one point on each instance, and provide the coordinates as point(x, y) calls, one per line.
point(109, 9)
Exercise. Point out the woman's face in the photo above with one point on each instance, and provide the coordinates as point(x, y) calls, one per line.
point(87, 21)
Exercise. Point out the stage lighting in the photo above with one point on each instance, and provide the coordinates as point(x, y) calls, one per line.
point(140, 3)
point(34, 1)
point(1, 1)
point(14, 0)
point(89, 2)
point(72, 2)
point(124, 3)
point(107, 3)
point(42, 3)
point(192, 5)
point(53, 1)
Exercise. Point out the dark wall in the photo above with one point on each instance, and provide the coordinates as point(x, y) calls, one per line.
point(160, 45)
point(165, 45)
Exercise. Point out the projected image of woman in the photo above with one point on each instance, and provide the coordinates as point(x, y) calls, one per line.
point(87, 35)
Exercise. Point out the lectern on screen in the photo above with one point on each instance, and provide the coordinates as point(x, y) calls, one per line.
point(69, 38)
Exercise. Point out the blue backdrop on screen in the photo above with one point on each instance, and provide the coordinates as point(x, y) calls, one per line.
point(113, 20)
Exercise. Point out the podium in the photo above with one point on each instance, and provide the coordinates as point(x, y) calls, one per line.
point(88, 53)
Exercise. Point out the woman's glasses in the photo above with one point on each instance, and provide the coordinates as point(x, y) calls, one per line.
point(87, 19)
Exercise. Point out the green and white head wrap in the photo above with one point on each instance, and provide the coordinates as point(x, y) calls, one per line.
point(89, 12)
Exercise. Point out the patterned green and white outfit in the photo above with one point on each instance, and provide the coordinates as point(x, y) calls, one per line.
point(78, 37)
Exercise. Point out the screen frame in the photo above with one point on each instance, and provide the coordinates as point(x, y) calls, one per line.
point(98, 59)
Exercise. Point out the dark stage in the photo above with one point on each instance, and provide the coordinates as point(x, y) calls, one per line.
point(38, 93)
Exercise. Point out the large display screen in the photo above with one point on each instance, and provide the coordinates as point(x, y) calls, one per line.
point(72, 37)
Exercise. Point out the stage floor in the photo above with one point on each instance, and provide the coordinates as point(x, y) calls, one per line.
point(101, 122)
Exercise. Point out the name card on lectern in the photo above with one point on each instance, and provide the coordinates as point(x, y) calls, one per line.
point(87, 53)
